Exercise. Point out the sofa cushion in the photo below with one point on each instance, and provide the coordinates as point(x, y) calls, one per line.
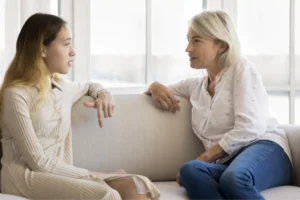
point(10, 197)
point(282, 192)
point(171, 190)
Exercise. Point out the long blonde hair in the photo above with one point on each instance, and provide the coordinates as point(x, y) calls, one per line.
point(28, 67)
point(218, 26)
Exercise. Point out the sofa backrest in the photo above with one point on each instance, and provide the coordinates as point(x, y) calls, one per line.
point(143, 139)
point(138, 138)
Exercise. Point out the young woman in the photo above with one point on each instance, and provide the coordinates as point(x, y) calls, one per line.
point(245, 150)
point(36, 128)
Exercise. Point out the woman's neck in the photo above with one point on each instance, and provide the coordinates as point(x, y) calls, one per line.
point(212, 73)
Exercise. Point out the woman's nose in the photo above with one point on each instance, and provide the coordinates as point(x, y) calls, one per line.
point(72, 53)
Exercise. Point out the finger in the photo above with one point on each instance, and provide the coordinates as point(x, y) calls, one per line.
point(157, 104)
point(99, 112)
point(163, 103)
point(110, 110)
point(176, 106)
point(172, 98)
point(105, 108)
point(89, 104)
point(165, 97)
point(175, 101)
point(169, 102)
point(113, 109)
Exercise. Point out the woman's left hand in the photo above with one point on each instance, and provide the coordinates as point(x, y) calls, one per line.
point(104, 103)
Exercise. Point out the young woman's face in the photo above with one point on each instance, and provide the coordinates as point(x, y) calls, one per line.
point(203, 52)
point(59, 55)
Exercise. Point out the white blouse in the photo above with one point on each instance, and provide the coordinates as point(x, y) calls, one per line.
point(238, 113)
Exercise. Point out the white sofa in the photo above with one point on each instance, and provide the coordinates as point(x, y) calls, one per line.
point(145, 140)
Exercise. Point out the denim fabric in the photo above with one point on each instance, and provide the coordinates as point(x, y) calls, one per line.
point(261, 165)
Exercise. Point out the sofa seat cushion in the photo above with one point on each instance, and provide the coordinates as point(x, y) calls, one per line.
point(10, 197)
point(282, 192)
point(171, 190)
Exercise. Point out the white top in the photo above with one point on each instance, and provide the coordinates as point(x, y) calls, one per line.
point(238, 113)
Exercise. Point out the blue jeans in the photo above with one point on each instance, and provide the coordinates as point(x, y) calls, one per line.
point(261, 165)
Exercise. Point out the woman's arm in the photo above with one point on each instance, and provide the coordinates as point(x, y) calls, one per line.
point(213, 154)
point(80, 89)
point(163, 96)
point(182, 88)
point(16, 118)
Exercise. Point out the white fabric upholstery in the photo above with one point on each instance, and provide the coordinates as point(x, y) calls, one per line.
point(280, 193)
point(145, 140)
point(139, 138)
point(171, 190)
point(10, 197)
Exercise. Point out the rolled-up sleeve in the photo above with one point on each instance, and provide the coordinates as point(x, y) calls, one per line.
point(80, 89)
point(184, 87)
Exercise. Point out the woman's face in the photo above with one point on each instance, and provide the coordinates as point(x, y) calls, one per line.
point(203, 52)
point(59, 55)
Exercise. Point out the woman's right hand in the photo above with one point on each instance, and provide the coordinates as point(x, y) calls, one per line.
point(163, 97)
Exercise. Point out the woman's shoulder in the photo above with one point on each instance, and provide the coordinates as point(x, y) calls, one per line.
point(244, 66)
point(244, 63)
point(14, 93)
point(14, 90)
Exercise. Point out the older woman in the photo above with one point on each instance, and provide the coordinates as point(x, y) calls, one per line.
point(245, 150)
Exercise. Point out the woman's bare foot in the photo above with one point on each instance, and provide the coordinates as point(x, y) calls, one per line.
point(178, 178)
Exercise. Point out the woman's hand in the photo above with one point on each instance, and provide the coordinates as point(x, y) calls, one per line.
point(213, 154)
point(104, 103)
point(163, 97)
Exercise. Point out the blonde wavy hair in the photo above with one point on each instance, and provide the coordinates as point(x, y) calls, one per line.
point(218, 26)
point(28, 67)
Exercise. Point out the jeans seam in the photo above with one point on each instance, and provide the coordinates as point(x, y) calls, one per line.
point(263, 157)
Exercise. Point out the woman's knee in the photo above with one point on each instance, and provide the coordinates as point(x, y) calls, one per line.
point(111, 193)
point(234, 179)
point(191, 168)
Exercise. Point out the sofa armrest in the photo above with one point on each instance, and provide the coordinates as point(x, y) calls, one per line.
point(293, 134)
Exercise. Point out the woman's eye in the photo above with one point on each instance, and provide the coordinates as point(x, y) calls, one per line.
point(67, 44)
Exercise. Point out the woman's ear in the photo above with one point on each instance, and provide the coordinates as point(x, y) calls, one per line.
point(44, 51)
point(223, 47)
